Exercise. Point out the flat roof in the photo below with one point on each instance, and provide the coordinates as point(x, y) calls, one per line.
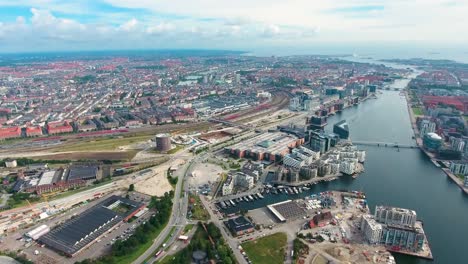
point(286, 210)
point(47, 177)
point(268, 142)
point(80, 231)
point(82, 172)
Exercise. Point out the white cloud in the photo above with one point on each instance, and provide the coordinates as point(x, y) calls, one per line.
point(129, 25)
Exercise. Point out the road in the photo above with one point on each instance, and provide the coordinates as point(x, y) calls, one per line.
point(233, 244)
point(177, 219)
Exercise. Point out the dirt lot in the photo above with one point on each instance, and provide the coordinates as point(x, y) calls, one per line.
point(205, 173)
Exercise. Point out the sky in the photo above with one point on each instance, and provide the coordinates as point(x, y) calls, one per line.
point(67, 25)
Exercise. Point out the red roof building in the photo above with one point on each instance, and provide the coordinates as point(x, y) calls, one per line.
point(433, 101)
point(59, 127)
point(33, 131)
point(10, 132)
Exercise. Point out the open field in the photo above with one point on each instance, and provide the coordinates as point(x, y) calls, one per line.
point(417, 111)
point(103, 144)
point(266, 250)
point(107, 155)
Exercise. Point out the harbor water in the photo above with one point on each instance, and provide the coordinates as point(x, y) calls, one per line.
point(398, 177)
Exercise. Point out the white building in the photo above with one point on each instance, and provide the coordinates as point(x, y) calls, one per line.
point(459, 168)
point(228, 185)
point(11, 163)
point(395, 216)
point(457, 144)
point(295, 104)
point(371, 229)
point(426, 126)
point(348, 166)
point(244, 180)
point(293, 160)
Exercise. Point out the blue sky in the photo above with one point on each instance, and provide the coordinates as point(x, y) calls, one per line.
point(37, 25)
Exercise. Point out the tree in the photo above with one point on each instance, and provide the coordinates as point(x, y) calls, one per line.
point(131, 188)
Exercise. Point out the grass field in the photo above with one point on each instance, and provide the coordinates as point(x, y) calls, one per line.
point(417, 111)
point(103, 144)
point(266, 250)
point(187, 228)
point(198, 211)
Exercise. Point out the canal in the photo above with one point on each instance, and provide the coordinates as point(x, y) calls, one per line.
point(403, 178)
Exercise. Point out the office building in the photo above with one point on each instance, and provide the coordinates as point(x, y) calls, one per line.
point(395, 216)
point(341, 129)
point(319, 142)
point(432, 141)
point(371, 229)
point(270, 146)
point(316, 122)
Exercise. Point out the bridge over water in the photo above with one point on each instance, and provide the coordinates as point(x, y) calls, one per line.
point(384, 144)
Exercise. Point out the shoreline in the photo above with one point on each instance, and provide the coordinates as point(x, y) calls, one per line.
point(419, 144)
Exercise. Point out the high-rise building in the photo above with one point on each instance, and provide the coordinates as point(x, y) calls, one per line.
point(426, 126)
point(316, 122)
point(457, 143)
point(409, 238)
point(395, 216)
point(371, 229)
point(341, 129)
point(459, 168)
point(319, 142)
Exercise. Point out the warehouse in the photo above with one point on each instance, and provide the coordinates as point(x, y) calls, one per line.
point(286, 210)
point(79, 232)
point(82, 172)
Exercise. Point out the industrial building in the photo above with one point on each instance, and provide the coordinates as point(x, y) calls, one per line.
point(82, 172)
point(239, 226)
point(270, 146)
point(77, 233)
point(163, 142)
point(286, 210)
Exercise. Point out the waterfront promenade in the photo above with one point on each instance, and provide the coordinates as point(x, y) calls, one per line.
point(431, 156)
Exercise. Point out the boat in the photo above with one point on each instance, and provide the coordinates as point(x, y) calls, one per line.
point(245, 198)
point(274, 191)
point(290, 190)
point(232, 202)
point(260, 195)
point(267, 191)
point(251, 198)
point(295, 190)
point(306, 188)
point(299, 189)
point(223, 205)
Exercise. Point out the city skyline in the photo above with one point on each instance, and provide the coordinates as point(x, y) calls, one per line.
point(328, 27)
